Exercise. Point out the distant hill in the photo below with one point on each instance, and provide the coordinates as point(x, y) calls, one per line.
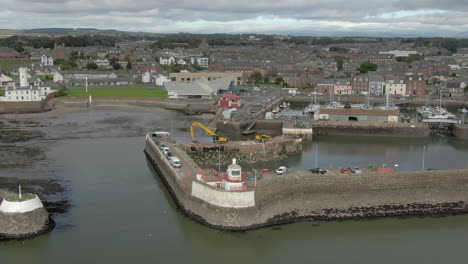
point(118, 33)
point(71, 32)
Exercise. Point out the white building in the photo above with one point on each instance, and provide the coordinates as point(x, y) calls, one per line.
point(47, 60)
point(163, 61)
point(25, 92)
point(147, 77)
point(202, 88)
point(181, 62)
point(161, 79)
point(400, 53)
point(202, 62)
point(395, 87)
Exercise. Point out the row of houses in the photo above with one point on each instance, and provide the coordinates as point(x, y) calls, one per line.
point(411, 84)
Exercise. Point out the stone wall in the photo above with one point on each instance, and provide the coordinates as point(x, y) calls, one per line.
point(223, 198)
point(460, 131)
point(188, 108)
point(370, 129)
point(246, 152)
point(25, 107)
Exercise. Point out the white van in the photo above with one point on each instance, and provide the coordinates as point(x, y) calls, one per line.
point(175, 162)
point(268, 115)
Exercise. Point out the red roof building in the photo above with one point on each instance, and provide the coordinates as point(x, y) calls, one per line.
point(228, 101)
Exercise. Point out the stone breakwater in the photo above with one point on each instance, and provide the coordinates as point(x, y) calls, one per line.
point(302, 196)
point(189, 108)
point(26, 221)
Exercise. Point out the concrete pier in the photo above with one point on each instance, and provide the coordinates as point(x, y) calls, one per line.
point(303, 196)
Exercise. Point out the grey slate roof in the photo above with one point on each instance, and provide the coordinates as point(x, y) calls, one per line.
point(199, 87)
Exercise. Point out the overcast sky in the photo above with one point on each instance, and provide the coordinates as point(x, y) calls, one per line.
point(305, 17)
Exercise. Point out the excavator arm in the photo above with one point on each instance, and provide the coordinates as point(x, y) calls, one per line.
point(216, 138)
point(262, 136)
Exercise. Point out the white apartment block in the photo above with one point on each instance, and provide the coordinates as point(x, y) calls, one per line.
point(202, 62)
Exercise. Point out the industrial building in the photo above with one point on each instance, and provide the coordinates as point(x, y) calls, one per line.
point(359, 115)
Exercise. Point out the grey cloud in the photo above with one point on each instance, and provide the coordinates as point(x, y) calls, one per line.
point(236, 16)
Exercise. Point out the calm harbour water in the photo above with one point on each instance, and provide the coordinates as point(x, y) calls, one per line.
point(121, 213)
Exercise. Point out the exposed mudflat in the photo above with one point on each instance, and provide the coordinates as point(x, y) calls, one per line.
point(26, 140)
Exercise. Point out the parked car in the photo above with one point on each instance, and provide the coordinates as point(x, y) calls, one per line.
point(356, 170)
point(162, 146)
point(169, 155)
point(166, 150)
point(281, 170)
point(175, 162)
point(345, 171)
point(318, 171)
point(265, 170)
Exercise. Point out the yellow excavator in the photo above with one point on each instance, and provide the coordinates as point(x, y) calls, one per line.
point(261, 137)
point(216, 138)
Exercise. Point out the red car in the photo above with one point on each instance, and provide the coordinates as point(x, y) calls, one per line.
point(345, 171)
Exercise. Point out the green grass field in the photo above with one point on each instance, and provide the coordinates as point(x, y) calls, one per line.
point(9, 65)
point(141, 93)
point(115, 86)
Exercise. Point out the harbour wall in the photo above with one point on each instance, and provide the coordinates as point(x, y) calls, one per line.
point(460, 131)
point(271, 127)
point(185, 107)
point(302, 196)
point(370, 129)
point(274, 127)
point(196, 199)
point(25, 107)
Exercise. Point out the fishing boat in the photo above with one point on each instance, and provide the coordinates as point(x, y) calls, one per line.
point(438, 112)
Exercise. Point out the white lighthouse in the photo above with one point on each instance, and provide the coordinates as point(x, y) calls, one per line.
point(234, 180)
point(23, 73)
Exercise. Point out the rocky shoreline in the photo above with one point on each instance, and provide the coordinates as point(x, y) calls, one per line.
point(210, 158)
point(46, 228)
